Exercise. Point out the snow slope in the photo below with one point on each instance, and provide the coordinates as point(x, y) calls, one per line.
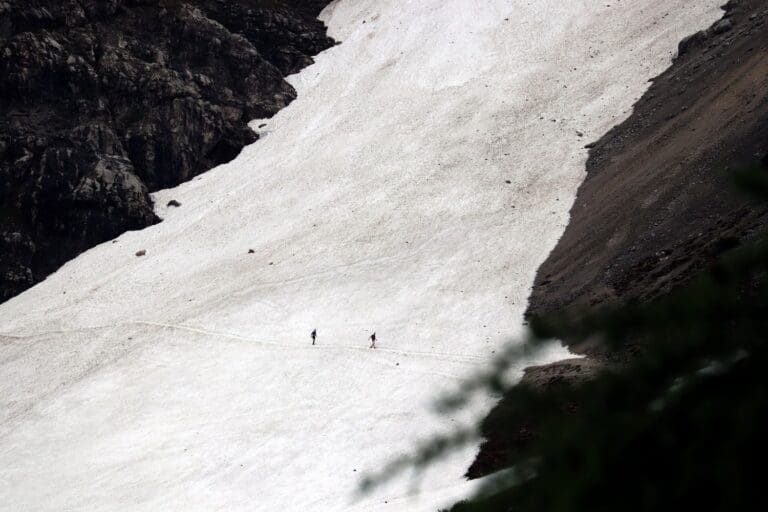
point(423, 174)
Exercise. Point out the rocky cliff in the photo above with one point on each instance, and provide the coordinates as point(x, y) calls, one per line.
point(105, 101)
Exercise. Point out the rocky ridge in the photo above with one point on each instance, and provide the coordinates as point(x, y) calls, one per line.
point(105, 101)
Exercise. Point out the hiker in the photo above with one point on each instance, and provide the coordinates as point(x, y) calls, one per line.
point(314, 335)
point(373, 340)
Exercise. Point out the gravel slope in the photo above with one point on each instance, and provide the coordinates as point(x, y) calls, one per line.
point(656, 206)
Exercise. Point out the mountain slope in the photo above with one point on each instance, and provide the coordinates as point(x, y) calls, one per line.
point(657, 206)
point(102, 102)
point(413, 188)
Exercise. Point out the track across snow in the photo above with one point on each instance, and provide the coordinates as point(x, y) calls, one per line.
point(423, 174)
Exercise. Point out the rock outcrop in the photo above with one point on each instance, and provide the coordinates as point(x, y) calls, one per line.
point(104, 101)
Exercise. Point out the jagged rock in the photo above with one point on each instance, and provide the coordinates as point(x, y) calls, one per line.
point(722, 26)
point(104, 101)
point(690, 41)
point(656, 207)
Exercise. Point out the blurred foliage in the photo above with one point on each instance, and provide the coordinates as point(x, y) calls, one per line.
point(681, 424)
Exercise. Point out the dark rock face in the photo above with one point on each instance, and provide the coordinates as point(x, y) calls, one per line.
point(104, 101)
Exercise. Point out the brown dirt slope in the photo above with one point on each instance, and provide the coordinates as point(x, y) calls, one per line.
point(656, 207)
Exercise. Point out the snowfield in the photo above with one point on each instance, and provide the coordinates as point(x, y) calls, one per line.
point(422, 176)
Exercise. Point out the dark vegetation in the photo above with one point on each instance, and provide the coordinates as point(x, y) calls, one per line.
point(105, 101)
